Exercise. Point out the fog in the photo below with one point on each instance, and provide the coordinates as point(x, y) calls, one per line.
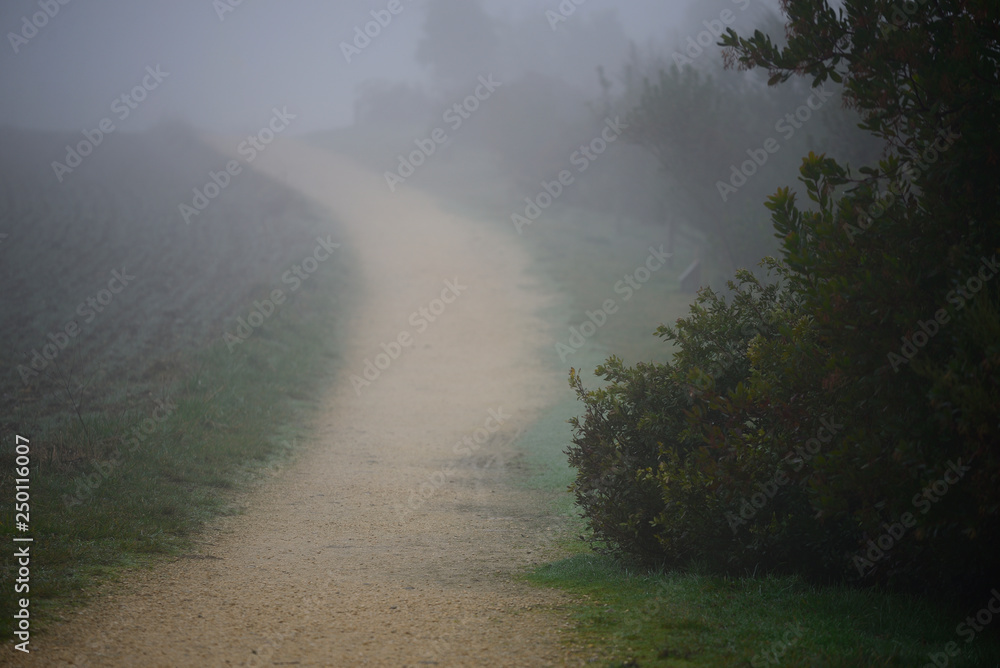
point(349, 253)
point(230, 62)
point(514, 91)
point(621, 113)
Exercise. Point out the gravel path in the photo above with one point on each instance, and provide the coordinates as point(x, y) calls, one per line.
point(393, 539)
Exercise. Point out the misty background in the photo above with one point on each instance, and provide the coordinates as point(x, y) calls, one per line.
point(562, 75)
point(564, 69)
point(229, 66)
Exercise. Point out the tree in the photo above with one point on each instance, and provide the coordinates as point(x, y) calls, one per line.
point(459, 42)
point(868, 375)
point(891, 266)
point(708, 129)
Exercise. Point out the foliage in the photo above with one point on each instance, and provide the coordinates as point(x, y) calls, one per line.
point(459, 40)
point(659, 478)
point(616, 443)
point(697, 619)
point(886, 336)
point(707, 130)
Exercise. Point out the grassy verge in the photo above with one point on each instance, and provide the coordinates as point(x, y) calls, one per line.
point(690, 619)
point(148, 478)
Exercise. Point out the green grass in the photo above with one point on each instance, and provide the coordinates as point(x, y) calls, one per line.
point(692, 619)
point(234, 415)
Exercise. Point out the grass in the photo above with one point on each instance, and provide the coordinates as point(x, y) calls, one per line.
point(116, 503)
point(693, 619)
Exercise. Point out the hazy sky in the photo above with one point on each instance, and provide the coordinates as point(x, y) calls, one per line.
point(228, 73)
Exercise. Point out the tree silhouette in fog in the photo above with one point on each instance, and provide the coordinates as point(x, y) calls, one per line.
point(459, 40)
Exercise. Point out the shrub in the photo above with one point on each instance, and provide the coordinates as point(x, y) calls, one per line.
point(660, 473)
point(883, 329)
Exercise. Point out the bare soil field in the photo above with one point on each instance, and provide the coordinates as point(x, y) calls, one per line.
point(104, 282)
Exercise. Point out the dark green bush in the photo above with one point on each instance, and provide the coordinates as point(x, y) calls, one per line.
point(660, 477)
point(619, 438)
point(865, 391)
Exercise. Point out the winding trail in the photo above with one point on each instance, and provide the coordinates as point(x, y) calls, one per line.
point(326, 567)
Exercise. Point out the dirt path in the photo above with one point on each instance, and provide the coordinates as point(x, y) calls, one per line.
point(326, 568)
